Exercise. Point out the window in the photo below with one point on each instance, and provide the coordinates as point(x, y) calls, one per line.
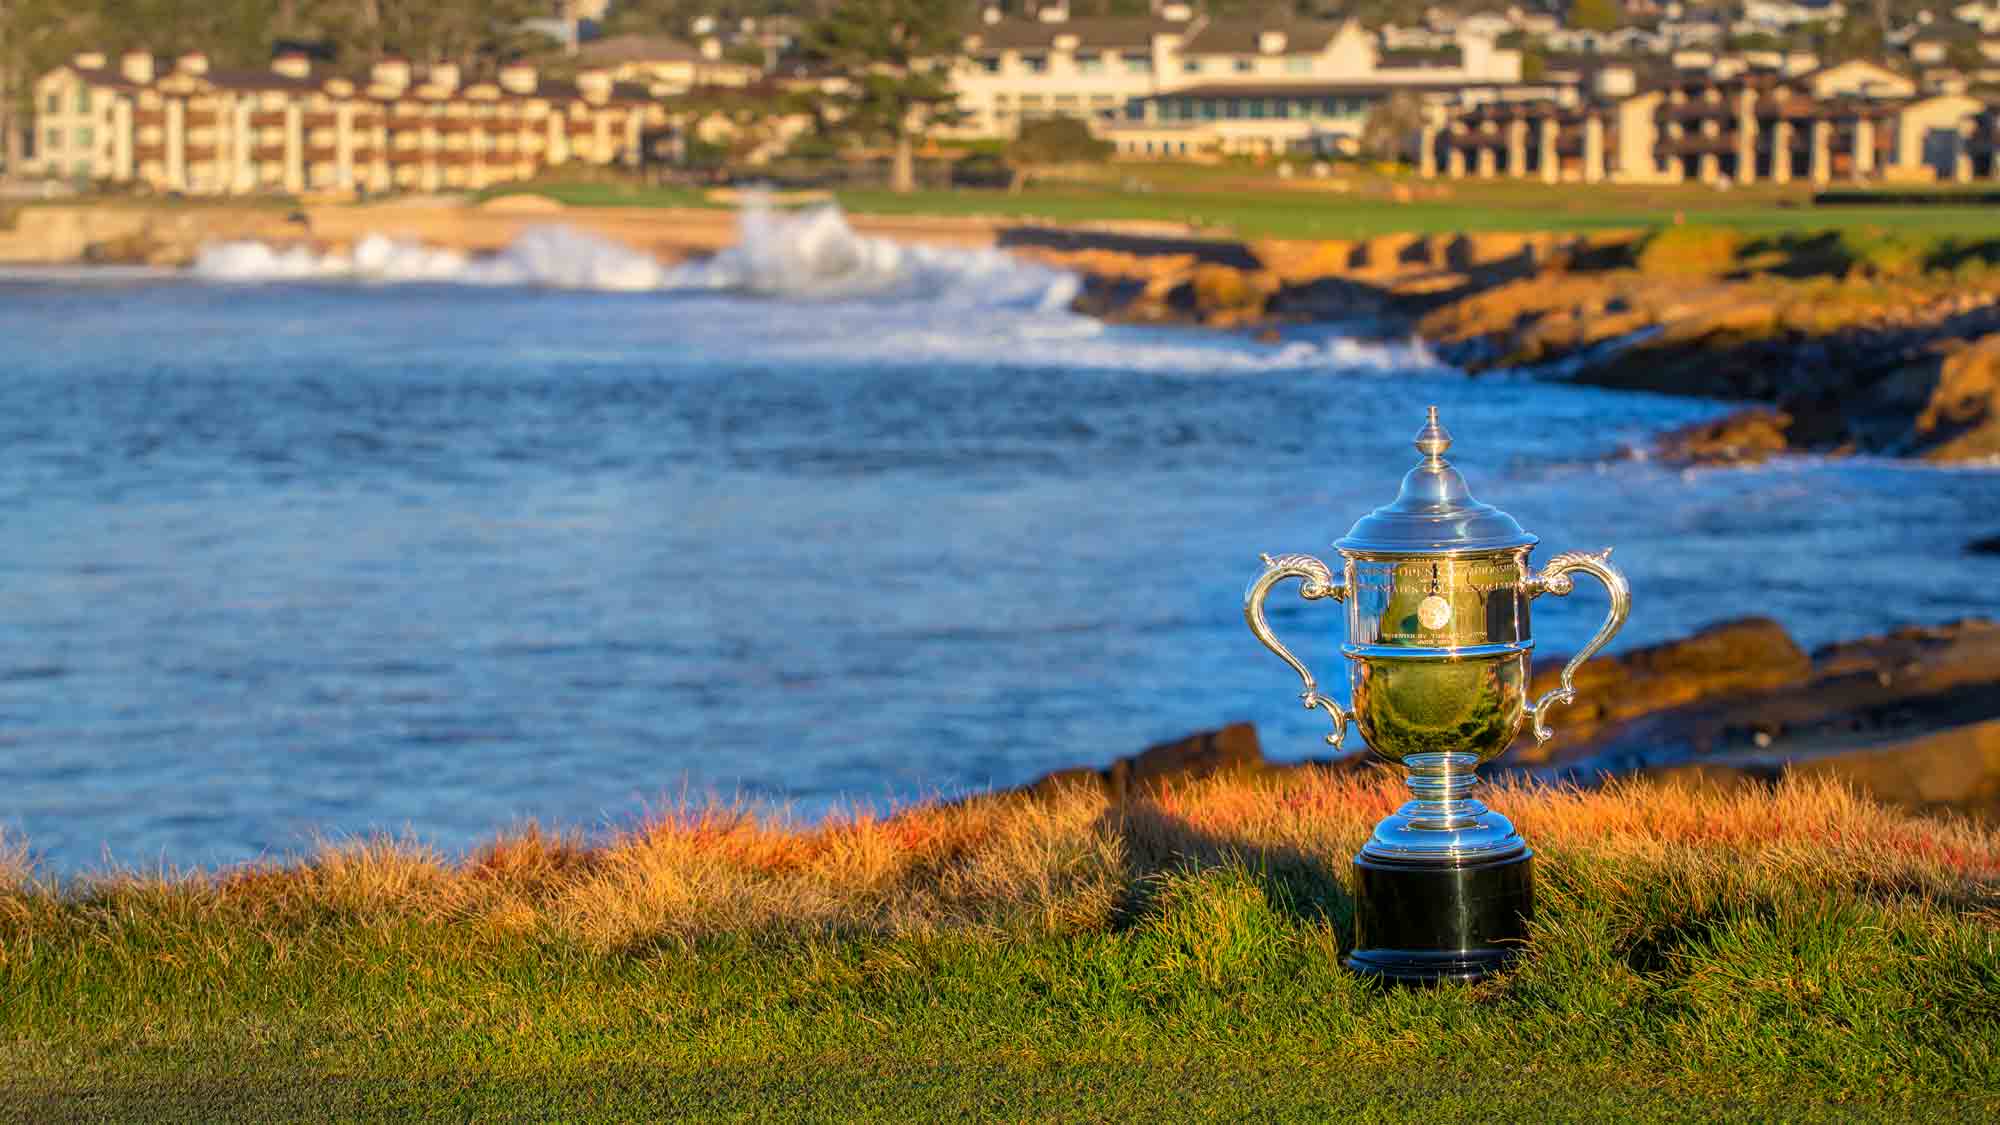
point(1067, 101)
point(54, 103)
point(83, 99)
point(1256, 108)
point(1298, 64)
point(989, 63)
point(1206, 109)
point(1103, 100)
point(1191, 66)
point(1138, 64)
point(52, 140)
point(1035, 64)
point(1245, 66)
point(1089, 62)
point(83, 137)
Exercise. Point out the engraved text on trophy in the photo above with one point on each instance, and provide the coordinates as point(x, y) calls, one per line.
point(1440, 602)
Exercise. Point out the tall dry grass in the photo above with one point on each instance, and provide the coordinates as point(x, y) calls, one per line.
point(1069, 863)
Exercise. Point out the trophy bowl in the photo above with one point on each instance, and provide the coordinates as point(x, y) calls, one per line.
point(1437, 588)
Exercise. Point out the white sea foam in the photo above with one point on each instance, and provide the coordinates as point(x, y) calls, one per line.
point(808, 254)
point(833, 294)
point(556, 257)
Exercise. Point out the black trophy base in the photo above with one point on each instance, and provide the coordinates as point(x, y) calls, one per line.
point(1427, 923)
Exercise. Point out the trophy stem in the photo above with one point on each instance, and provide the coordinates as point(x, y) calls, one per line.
point(1443, 822)
point(1443, 785)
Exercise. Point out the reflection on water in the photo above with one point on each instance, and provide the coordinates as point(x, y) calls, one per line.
point(292, 558)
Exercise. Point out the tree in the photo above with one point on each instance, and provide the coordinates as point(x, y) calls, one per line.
point(898, 56)
point(1534, 64)
point(1386, 133)
point(35, 37)
point(1593, 15)
point(1057, 140)
point(1854, 39)
point(652, 17)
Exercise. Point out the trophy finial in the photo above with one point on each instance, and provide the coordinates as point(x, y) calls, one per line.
point(1433, 439)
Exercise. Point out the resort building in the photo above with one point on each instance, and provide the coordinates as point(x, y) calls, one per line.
point(1853, 121)
point(1176, 83)
point(665, 64)
point(186, 127)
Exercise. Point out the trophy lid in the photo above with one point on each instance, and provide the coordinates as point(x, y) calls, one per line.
point(1435, 512)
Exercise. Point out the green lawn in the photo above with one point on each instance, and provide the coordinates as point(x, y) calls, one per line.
point(1803, 957)
point(1251, 204)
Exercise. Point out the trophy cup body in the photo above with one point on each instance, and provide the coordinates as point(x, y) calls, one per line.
point(1437, 588)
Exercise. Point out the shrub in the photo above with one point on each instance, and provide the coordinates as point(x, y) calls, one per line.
point(1887, 254)
point(1057, 140)
point(1690, 251)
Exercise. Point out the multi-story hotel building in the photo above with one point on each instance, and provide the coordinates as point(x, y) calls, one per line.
point(1178, 83)
point(1851, 121)
point(184, 126)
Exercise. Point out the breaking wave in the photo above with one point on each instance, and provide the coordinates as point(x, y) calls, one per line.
point(809, 254)
point(831, 293)
point(554, 256)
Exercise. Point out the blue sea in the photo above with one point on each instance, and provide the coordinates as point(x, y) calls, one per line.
point(301, 547)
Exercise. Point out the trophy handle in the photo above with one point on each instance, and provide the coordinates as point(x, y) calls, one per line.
point(1555, 579)
point(1316, 582)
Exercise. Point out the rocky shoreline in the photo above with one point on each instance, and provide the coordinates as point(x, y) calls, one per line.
point(1911, 718)
point(1831, 353)
point(1827, 363)
point(1835, 363)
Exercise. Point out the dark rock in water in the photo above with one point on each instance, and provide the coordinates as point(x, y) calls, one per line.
point(1987, 546)
point(1745, 436)
point(1232, 749)
point(1953, 770)
point(1961, 422)
point(1911, 717)
point(1731, 658)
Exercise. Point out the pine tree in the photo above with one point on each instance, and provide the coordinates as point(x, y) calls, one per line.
point(898, 56)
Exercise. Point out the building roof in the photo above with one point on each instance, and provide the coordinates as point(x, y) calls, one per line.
point(637, 49)
point(1035, 35)
point(251, 80)
point(1437, 56)
point(1948, 31)
point(1242, 37)
point(1314, 89)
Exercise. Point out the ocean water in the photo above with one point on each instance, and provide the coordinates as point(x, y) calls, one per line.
point(302, 547)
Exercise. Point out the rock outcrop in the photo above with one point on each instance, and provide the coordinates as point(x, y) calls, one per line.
point(1730, 659)
point(1851, 711)
point(1961, 419)
point(1746, 436)
point(1233, 749)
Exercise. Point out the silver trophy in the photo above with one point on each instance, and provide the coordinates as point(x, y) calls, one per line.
point(1437, 587)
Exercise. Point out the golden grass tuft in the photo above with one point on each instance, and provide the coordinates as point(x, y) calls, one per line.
point(1067, 863)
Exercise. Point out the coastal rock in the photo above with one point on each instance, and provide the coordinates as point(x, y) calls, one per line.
point(1745, 436)
point(1224, 295)
point(1987, 546)
point(1961, 422)
point(1231, 749)
point(1732, 658)
point(1956, 770)
point(1907, 716)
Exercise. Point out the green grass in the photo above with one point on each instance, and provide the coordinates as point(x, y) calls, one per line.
point(1247, 203)
point(1798, 957)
